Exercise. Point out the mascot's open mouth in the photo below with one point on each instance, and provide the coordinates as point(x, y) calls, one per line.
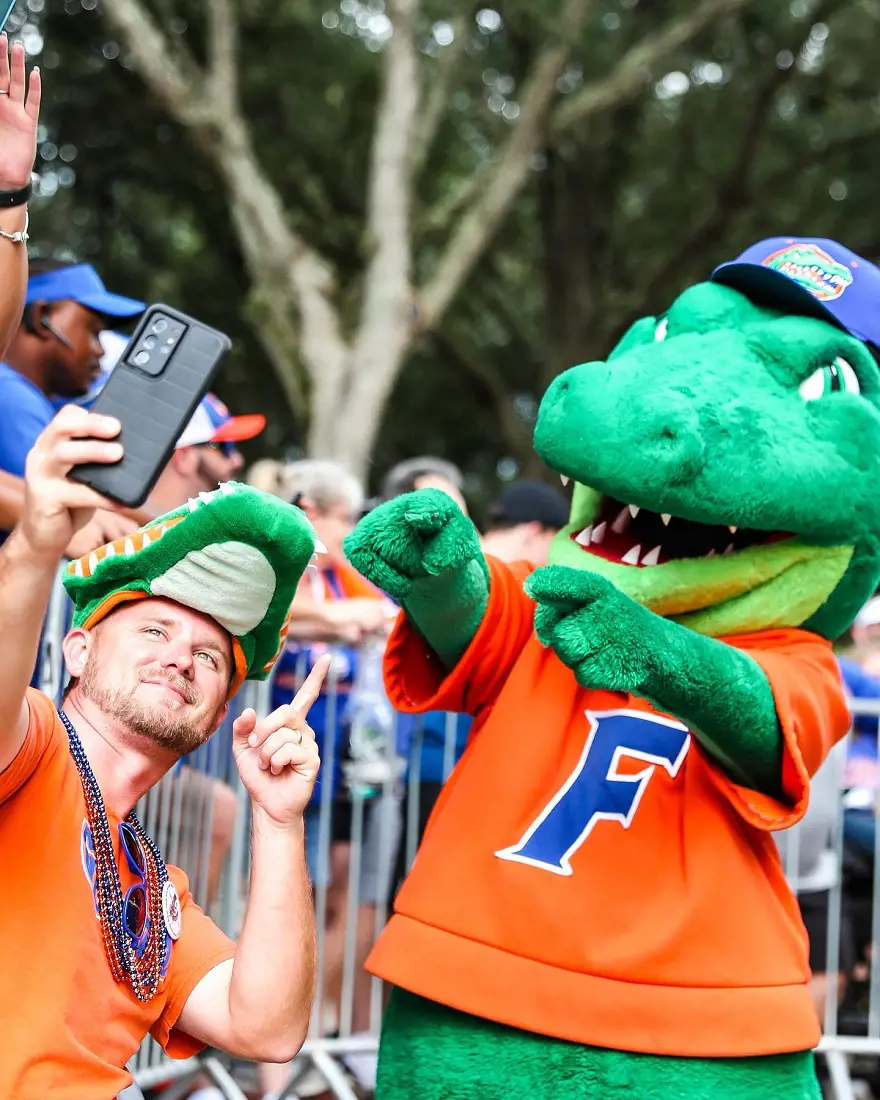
point(631, 535)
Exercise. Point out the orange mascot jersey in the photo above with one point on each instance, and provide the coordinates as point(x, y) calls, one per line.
point(588, 872)
point(67, 1028)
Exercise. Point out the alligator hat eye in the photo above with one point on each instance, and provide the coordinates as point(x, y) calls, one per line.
point(837, 377)
point(660, 330)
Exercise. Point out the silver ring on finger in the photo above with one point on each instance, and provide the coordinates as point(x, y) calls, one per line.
point(299, 736)
point(4, 91)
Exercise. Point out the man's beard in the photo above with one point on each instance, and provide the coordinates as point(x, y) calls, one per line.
point(179, 733)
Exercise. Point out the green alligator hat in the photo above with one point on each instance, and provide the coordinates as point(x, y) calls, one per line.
point(236, 555)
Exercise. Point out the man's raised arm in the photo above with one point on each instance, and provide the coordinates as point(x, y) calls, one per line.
point(257, 1006)
point(55, 508)
point(19, 114)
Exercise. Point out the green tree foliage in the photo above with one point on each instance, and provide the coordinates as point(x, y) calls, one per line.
point(762, 123)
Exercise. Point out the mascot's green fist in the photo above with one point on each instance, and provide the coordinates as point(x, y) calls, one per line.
point(417, 535)
point(602, 635)
point(424, 552)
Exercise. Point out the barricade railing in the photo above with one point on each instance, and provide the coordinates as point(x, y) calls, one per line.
point(199, 815)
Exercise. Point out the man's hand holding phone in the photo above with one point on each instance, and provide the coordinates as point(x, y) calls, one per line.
point(55, 507)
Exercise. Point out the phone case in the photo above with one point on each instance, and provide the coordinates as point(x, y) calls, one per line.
point(153, 408)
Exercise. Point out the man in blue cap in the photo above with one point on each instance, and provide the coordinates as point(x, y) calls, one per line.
point(56, 352)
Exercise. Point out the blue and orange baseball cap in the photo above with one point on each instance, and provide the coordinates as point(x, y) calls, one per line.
point(810, 275)
point(212, 422)
point(80, 283)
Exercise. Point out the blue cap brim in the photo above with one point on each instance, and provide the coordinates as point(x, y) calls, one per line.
point(111, 305)
point(766, 287)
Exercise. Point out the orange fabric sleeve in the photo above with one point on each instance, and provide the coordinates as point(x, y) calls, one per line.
point(201, 947)
point(813, 716)
point(417, 681)
point(40, 735)
point(353, 584)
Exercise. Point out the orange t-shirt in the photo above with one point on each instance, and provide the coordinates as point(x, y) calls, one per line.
point(589, 872)
point(67, 1028)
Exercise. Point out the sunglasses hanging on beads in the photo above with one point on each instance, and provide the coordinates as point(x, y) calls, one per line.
point(133, 927)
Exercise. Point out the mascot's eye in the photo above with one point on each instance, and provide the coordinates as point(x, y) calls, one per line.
point(660, 330)
point(838, 377)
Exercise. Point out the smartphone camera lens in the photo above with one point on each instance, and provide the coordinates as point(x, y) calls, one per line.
point(160, 326)
point(142, 358)
point(150, 343)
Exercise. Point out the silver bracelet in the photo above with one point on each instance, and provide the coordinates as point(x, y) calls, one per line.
point(20, 236)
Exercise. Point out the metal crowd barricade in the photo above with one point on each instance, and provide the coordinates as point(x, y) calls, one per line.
point(200, 811)
point(851, 1043)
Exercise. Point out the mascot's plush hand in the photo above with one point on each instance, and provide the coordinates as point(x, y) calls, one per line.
point(603, 636)
point(421, 534)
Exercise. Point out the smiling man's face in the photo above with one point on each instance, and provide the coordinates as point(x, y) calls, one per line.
point(161, 670)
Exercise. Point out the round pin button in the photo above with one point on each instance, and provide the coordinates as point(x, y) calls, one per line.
point(171, 909)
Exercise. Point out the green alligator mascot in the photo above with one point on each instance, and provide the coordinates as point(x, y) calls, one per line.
point(598, 909)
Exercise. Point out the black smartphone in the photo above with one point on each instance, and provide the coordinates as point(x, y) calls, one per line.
point(153, 390)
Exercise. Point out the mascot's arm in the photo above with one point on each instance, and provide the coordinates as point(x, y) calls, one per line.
point(612, 642)
point(425, 553)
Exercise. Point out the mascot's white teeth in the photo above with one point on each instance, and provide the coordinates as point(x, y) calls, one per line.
point(630, 534)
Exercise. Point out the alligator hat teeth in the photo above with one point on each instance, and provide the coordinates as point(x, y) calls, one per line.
point(729, 549)
point(633, 510)
point(599, 533)
point(585, 537)
point(666, 517)
point(631, 557)
point(733, 530)
point(652, 557)
point(565, 480)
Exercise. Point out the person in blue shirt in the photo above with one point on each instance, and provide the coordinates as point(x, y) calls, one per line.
point(55, 352)
point(862, 776)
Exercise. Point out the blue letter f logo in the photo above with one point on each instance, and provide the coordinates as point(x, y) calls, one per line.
point(595, 790)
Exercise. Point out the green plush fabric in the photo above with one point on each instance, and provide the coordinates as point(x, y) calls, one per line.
point(708, 424)
point(235, 554)
point(431, 1052)
point(611, 642)
point(425, 553)
point(700, 420)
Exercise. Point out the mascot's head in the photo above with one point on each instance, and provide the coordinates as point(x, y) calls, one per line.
point(726, 455)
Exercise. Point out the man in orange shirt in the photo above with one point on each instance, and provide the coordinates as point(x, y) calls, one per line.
point(598, 909)
point(104, 942)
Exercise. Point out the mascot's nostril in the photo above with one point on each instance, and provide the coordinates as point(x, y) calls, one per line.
point(673, 447)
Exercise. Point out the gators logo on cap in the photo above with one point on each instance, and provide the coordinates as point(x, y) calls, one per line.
point(812, 268)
